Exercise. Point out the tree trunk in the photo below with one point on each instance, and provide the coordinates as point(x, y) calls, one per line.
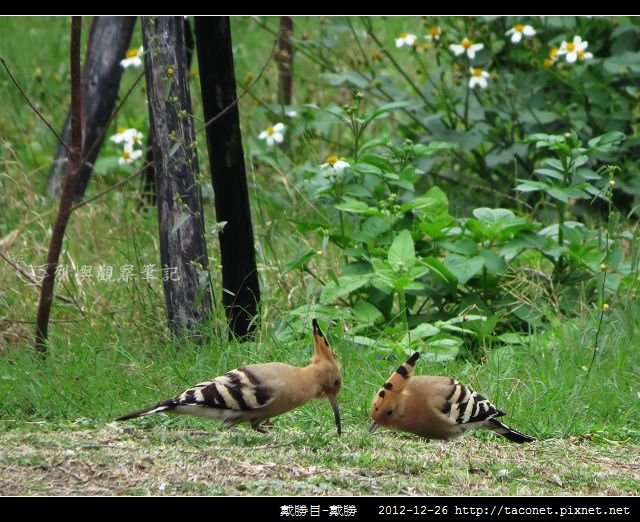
point(183, 250)
point(148, 188)
point(241, 291)
point(108, 42)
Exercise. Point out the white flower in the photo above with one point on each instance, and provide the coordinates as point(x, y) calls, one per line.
point(133, 58)
point(406, 39)
point(129, 155)
point(478, 77)
point(291, 113)
point(434, 34)
point(574, 50)
point(517, 31)
point(273, 134)
point(131, 136)
point(466, 46)
point(335, 163)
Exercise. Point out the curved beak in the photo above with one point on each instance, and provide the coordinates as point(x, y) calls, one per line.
point(336, 412)
point(373, 427)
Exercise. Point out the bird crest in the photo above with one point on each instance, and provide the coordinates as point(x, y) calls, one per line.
point(395, 383)
point(322, 350)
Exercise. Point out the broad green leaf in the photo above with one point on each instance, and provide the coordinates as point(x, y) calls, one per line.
point(365, 312)
point(607, 141)
point(402, 253)
point(440, 271)
point(343, 286)
point(493, 215)
point(493, 262)
point(464, 268)
point(356, 206)
point(531, 186)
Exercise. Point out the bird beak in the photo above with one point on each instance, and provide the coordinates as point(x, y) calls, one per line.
point(336, 412)
point(373, 427)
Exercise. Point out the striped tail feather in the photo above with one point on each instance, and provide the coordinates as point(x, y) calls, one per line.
point(158, 408)
point(502, 429)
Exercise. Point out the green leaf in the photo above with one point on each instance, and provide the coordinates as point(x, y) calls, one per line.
point(365, 312)
point(531, 186)
point(387, 107)
point(356, 206)
point(464, 268)
point(440, 271)
point(433, 147)
point(343, 286)
point(402, 253)
point(465, 246)
point(606, 141)
point(550, 173)
point(493, 262)
point(563, 194)
point(367, 168)
point(299, 261)
point(375, 226)
point(443, 349)
point(492, 216)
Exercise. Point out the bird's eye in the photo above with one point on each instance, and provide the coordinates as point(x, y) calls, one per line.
point(337, 382)
point(390, 412)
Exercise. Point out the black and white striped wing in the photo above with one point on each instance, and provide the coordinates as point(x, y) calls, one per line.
point(464, 406)
point(237, 390)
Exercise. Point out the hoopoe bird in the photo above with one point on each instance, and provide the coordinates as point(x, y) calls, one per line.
point(435, 407)
point(257, 392)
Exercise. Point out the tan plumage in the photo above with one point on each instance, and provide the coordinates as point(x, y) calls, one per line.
point(257, 392)
point(435, 407)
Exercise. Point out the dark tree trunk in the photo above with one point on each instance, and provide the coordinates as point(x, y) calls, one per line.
point(149, 174)
point(108, 42)
point(183, 250)
point(217, 80)
point(285, 61)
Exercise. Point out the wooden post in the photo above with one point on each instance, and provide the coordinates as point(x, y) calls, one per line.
point(285, 61)
point(183, 250)
point(108, 42)
point(218, 84)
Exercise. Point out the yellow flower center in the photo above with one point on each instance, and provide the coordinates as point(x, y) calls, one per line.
point(571, 47)
point(581, 55)
point(476, 72)
point(466, 43)
point(132, 53)
point(518, 28)
point(553, 53)
point(125, 155)
point(121, 130)
point(271, 131)
point(435, 31)
point(331, 160)
point(548, 62)
point(403, 35)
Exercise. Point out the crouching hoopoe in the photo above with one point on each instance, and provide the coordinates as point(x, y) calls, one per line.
point(434, 407)
point(257, 392)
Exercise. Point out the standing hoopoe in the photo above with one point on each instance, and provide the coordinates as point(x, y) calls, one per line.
point(257, 392)
point(434, 407)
